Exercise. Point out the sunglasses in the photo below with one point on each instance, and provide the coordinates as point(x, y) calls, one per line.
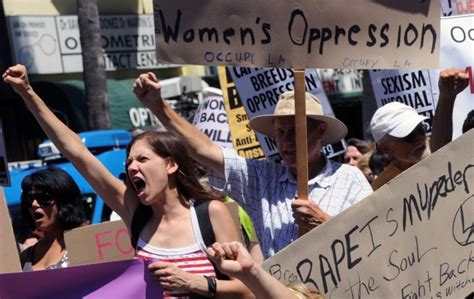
point(44, 199)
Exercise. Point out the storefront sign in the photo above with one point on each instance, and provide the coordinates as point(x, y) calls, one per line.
point(51, 44)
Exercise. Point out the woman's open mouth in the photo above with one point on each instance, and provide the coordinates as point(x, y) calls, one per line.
point(139, 185)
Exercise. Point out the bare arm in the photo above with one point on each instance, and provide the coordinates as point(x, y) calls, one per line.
point(200, 147)
point(111, 189)
point(233, 259)
point(451, 82)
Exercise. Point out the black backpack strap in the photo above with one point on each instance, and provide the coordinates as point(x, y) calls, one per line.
point(207, 233)
point(140, 218)
point(202, 213)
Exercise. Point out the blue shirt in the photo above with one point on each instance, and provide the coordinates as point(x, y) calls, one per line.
point(265, 190)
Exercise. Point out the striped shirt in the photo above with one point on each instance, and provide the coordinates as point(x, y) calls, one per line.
point(192, 259)
point(265, 190)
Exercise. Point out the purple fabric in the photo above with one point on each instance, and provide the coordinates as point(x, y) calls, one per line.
point(122, 279)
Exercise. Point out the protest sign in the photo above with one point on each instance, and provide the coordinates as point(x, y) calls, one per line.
point(121, 279)
point(211, 118)
point(4, 173)
point(457, 46)
point(412, 238)
point(244, 139)
point(410, 87)
point(108, 241)
point(9, 259)
point(259, 90)
point(299, 34)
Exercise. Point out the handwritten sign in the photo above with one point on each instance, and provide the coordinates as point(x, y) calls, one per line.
point(9, 259)
point(244, 139)
point(413, 238)
point(412, 88)
point(108, 241)
point(260, 88)
point(299, 34)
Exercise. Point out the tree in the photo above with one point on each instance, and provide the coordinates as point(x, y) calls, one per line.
point(95, 81)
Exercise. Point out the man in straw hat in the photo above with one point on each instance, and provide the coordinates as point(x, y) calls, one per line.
point(267, 190)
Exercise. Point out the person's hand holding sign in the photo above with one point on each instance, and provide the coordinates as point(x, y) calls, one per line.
point(308, 214)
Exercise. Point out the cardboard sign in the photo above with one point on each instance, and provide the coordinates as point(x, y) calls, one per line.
point(410, 87)
point(9, 258)
point(299, 34)
point(108, 241)
point(244, 139)
point(259, 90)
point(412, 238)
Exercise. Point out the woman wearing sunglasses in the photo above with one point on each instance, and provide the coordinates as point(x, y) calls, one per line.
point(51, 202)
point(161, 185)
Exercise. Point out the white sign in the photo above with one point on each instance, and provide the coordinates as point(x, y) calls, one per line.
point(211, 118)
point(410, 87)
point(457, 48)
point(259, 90)
point(51, 44)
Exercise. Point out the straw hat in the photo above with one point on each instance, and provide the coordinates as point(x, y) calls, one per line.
point(286, 107)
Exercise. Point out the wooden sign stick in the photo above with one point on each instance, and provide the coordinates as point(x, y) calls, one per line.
point(301, 138)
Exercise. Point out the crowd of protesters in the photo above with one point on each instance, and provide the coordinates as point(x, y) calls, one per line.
point(163, 203)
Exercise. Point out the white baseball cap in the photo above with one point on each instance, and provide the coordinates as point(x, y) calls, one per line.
point(394, 119)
